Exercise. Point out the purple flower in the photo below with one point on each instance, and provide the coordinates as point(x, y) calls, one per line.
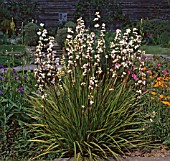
point(1, 66)
point(20, 89)
point(16, 77)
point(1, 92)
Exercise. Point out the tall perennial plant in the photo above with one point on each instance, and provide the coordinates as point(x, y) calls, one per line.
point(89, 108)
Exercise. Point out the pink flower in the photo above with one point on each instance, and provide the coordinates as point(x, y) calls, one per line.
point(134, 77)
point(165, 72)
point(158, 65)
point(117, 66)
point(129, 71)
point(149, 72)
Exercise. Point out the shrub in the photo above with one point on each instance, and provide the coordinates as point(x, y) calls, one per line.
point(62, 33)
point(88, 109)
point(30, 34)
point(156, 32)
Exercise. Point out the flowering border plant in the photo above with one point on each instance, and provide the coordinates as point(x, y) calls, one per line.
point(90, 106)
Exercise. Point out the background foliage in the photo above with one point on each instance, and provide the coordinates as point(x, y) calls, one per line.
point(109, 9)
point(20, 11)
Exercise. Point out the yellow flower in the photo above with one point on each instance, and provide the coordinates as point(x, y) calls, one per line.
point(166, 103)
point(161, 96)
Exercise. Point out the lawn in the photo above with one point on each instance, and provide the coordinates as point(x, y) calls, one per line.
point(153, 49)
point(12, 48)
point(7, 59)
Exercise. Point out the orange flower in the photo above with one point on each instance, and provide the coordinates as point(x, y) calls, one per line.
point(169, 119)
point(159, 78)
point(166, 103)
point(161, 96)
point(144, 68)
point(153, 93)
point(159, 83)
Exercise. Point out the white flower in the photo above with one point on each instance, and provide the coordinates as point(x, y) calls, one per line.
point(39, 33)
point(83, 106)
point(96, 25)
point(151, 120)
point(124, 73)
point(69, 30)
point(69, 36)
point(139, 91)
point(135, 29)
point(44, 96)
point(83, 84)
point(118, 31)
point(95, 19)
point(139, 81)
point(128, 30)
point(41, 24)
point(91, 102)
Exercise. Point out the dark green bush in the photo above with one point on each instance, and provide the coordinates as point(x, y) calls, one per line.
point(21, 11)
point(62, 33)
point(30, 31)
point(52, 31)
point(110, 10)
point(156, 32)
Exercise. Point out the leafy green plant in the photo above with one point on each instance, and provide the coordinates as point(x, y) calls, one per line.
point(30, 34)
point(155, 31)
point(13, 55)
point(13, 135)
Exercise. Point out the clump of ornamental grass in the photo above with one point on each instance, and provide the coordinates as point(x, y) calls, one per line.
point(89, 108)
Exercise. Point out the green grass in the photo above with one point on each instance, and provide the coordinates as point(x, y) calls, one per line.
point(149, 49)
point(12, 48)
point(11, 60)
point(7, 60)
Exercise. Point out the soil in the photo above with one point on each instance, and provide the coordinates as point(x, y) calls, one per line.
point(161, 151)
